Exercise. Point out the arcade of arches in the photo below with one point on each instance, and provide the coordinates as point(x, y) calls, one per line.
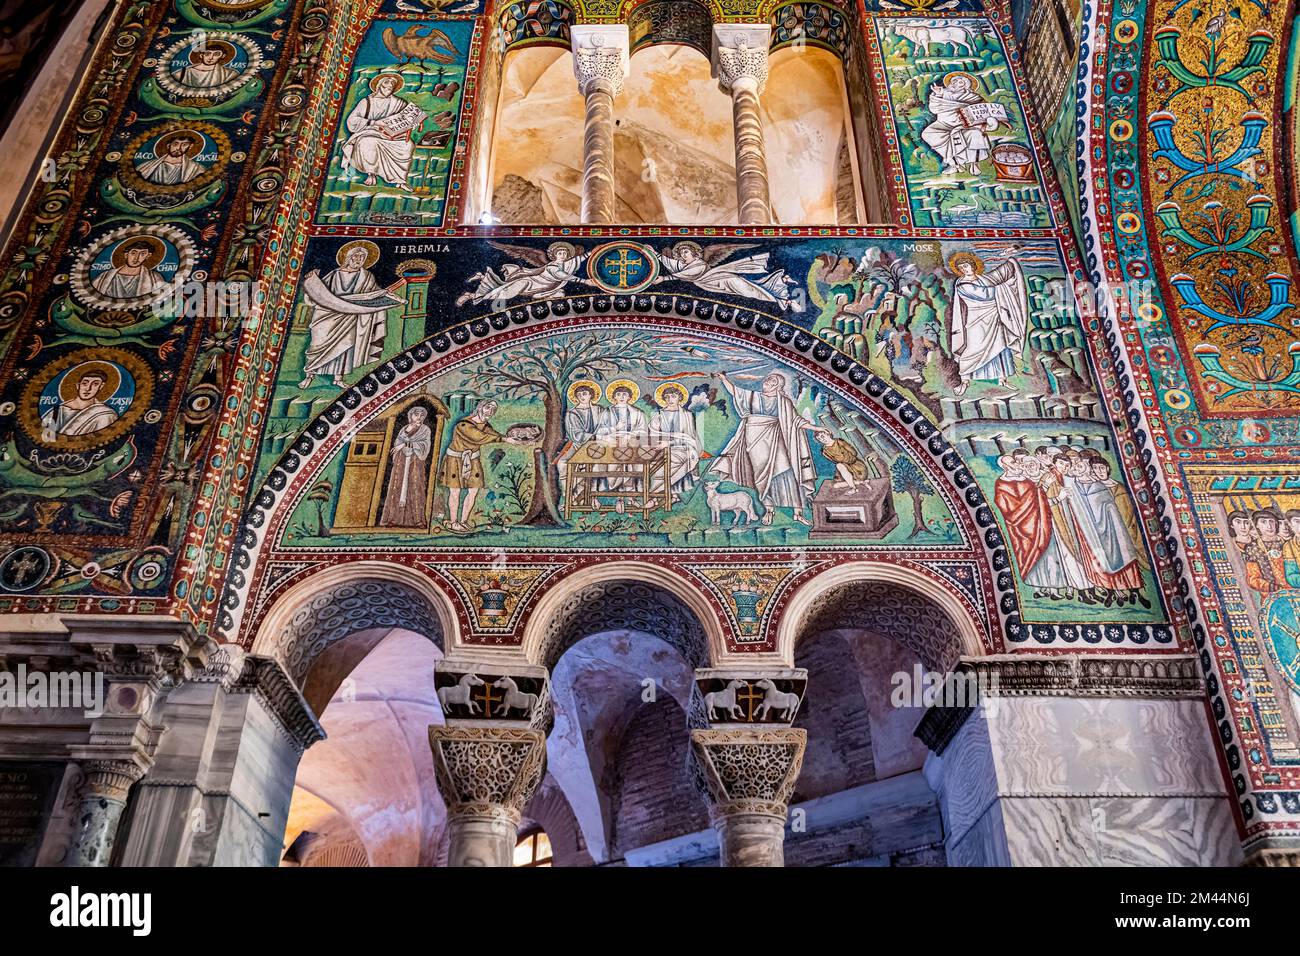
point(659, 433)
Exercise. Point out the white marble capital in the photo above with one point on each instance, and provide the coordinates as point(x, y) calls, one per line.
point(739, 59)
point(600, 56)
point(485, 776)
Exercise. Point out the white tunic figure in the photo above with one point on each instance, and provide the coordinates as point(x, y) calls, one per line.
point(674, 426)
point(622, 425)
point(581, 422)
point(958, 143)
point(770, 451)
point(132, 274)
point(172, 165)
point(349, 315)
point(990, 318)
point(207, 69)
point(703, 267)
point(370, 148)
point(545, 277)
point(84, 412)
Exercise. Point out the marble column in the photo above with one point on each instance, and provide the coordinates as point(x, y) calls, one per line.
point(600, 62)
point(750, 774)
point(219, 790)
point(486, 775)
point(103, 798)
point(1096, 760)
point(740, 65)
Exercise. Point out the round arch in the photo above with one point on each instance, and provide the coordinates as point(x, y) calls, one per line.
point(540, 629)
point(675, 22)
point(970, 637)
point(287, 481)
point(336, 602)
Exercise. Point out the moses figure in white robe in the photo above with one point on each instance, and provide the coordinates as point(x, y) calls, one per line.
point(370, 148)
point(990, 319)
point(770, 451)
point(349, 318)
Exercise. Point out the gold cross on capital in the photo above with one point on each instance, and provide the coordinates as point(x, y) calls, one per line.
point(749, 696)
point(483, 695)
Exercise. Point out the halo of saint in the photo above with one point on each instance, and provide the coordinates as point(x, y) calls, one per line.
point(86, 398)
point(208, 65)
point(349, 311)
point(175, 158)
point(618, 384)
point(131, 267)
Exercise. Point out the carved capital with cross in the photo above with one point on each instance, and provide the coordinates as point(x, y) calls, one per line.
point(492, 693)
point(727, 696)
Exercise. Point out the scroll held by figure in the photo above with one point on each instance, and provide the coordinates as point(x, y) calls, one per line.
point(379, 143)
point(348, 315)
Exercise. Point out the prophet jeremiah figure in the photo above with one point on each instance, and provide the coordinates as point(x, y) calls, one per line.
point(349, 315)
point(990, 318)
point(770, 451)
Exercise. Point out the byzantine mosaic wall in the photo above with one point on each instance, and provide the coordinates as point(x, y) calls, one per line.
point(118, 406)
point(497, 406)
point(1187, 199)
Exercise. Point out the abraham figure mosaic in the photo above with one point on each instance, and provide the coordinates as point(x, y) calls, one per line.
point(612, 437)
point(559, 432)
